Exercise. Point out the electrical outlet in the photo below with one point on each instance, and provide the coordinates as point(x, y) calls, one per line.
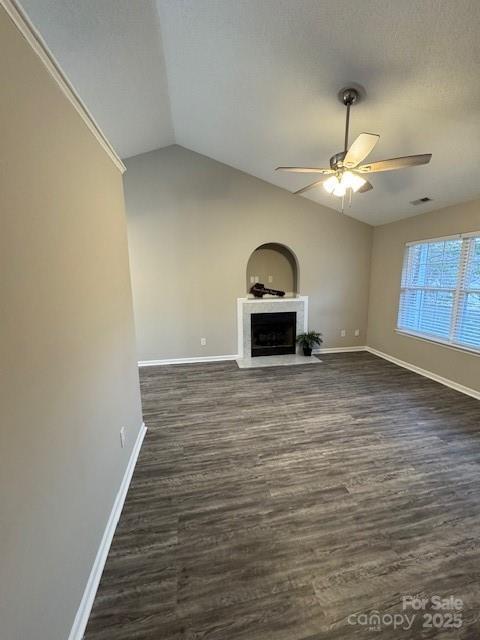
point(257, 278)
point(122, 437)
point(357, 332)
point(270, 278)
point(252, 279)
point(203, 341)
point(343, 333)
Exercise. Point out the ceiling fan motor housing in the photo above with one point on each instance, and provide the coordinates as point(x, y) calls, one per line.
point(336, 161)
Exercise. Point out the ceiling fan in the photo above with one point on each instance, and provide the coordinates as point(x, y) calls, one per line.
point(346, 173)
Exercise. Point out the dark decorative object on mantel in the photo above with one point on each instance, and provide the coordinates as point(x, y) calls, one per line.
point(308, 341)
point(259, 290)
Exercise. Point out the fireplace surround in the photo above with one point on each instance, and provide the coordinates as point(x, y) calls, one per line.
point(246, 307)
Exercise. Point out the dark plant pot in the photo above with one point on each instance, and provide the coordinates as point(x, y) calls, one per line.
point(307, 351)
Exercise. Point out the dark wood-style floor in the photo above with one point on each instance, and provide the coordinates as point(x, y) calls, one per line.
point(272, 504)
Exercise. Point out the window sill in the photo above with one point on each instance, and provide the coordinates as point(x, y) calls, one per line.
point(439, 341)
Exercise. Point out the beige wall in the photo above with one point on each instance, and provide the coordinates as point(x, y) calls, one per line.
point(69, 380)
point(387, 258)
point(193, 224)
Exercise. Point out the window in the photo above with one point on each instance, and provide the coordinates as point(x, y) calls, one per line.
point(440, 290)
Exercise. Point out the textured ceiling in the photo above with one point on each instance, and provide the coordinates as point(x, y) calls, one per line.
point(111, 51)
point(253, 83)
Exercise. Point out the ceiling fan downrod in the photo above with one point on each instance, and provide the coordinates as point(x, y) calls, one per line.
point(349, 97)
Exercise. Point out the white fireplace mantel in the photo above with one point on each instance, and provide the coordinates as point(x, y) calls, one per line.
point(247, 306)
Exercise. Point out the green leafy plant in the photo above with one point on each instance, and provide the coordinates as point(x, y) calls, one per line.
point(310, 339)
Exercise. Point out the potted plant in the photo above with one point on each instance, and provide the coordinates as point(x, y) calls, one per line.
point(308, 341)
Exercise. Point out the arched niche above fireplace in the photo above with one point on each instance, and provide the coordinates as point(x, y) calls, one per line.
point(275, 266)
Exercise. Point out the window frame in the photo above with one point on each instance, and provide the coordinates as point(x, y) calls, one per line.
point(459, 290)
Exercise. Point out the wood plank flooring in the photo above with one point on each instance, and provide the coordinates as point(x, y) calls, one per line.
point(272, 504)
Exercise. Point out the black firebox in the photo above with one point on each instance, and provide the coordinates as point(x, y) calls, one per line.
point(273, 334)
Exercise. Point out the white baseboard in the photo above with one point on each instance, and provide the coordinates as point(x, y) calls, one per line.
point(155, 363)
point(339, 349)
point(200, 359)
point(83, 613)
point(427, 374)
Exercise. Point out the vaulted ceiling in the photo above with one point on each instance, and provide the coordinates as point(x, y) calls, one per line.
point(254, 83)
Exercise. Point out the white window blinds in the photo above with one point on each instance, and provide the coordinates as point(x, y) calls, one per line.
point(440, 290)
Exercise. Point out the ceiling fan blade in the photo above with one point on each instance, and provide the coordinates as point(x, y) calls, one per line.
point(360, 149)
point(306, 170)
point(308, 187)
point(368, 186)
point(395, 163)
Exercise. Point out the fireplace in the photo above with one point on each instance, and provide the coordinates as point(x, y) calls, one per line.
point(273, 334)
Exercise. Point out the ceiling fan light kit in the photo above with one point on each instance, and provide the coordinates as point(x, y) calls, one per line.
point(345, 169)
point(348, 180)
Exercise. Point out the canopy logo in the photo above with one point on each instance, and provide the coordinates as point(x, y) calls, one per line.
point(376, 621)
point(432, 612)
